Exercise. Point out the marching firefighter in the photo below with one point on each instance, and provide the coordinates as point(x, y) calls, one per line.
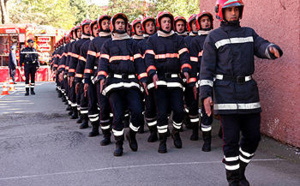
point(137, 30)
point(81, 97)
point(29, 56)
point(72, 62)
point(204, 22)
point(167, 60)
point(228, 57)
point(120, 70)
point(91, 83)
point(148, 27)
point(180, 26)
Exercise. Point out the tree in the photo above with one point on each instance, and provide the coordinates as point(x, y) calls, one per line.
point(4, 12)
point(43, 12)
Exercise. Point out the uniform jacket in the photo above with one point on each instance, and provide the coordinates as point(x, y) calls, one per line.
point(229, 52)
point(166, 55)
point(74, 55)
point(82, 61)
point(93, 55)
point(121, 63)
point(29, 56)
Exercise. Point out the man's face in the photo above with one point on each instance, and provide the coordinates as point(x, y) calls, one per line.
point(166, 24)
point(138, 29)
point(205, 22)
point(105, 24)
point(30, 44)
point(78, 33)
point(194, 26)
point(86, 29)
point(150, 27)
point(180, 26)
point(120, 24)
point(95, 30)
point(232, 13)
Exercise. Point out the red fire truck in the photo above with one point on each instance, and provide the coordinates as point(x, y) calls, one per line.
point(17, 34)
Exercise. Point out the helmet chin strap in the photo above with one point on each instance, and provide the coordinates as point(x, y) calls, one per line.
point(120, 31)
point(165, 31)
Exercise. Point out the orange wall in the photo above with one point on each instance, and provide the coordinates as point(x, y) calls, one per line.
point(279, 80)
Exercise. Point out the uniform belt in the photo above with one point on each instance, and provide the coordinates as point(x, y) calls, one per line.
point(123, 76)
point(237, 79)
point(169, 75)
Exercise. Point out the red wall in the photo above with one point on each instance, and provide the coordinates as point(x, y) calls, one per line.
point(278, 80)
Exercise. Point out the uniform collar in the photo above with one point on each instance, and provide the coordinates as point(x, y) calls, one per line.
point(192, 34)
point(182, 34)
point(85, 36)
point(163, 34)
point(203, 32)
point(116, 36)
point(137, 37)
point(104, 34)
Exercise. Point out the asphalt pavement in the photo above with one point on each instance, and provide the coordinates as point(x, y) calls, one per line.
point(41, 146)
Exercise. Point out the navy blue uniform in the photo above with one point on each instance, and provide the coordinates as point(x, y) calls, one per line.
point(228, 58)
point(29, 56)
point(122, 66)
point(90, 77)
point(167, 56)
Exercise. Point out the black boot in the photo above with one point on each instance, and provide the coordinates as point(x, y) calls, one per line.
point(195, 132)
point(162, 143)
point(80, 119)
point(119, 145)
point(75, 113)
point(32, 91)
point(243, 181)
point(85, 121)
point(95, 129)
point(176, 138)
point(207, 141)
point(27, 92)
point(59, 94)
point(106, 137)
point(153, 134)
point(70, 113)
point(232, 177)
point(220, 133)
point(63, 99)
point(126, 121)
point(130, 136)
point(68, 108)
point(187, 121)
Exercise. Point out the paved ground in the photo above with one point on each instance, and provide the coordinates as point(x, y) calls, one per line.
point(40, 145)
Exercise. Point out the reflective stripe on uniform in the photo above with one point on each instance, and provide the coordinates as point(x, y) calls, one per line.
point(232, 167)
point(118, 133)
point(135, 129)
point(162, 129)
point(236, 40)
point(164, 83)
point(119, 85)
point(205, 82)
point(177, 125)
point(237, 106)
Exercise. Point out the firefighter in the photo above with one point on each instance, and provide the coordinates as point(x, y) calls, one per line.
point(72, 62)
point(148, 27)
point(167, 60)
point(29, 56)
point(190, 96)
point(180, 26)
point(63, 68)
point(204, 23)
point(137, 30)
point(91, 86)
point(81, 97)
point(121, 68)
point(228, 57)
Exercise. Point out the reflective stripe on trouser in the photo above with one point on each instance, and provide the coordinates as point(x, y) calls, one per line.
point(246, 124)
point(206, 121)
point(231, 163)
point(132, 99)
point(73, 95)
point(92, 103)
point(30, 73)
point(165, 99)
point(105, 110)
point(150, 109)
